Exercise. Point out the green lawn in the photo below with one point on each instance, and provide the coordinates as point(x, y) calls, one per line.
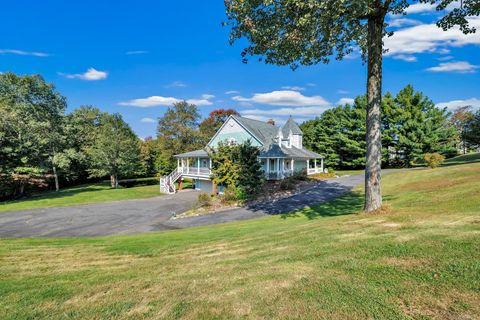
point(462, 159)
point(83, 194)
point(420, 259)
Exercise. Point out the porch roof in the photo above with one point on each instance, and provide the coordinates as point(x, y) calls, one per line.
point(276, 151)
point(193, 154)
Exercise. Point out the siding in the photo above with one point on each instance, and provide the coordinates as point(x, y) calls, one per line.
point(232, 129)
point(300, 165)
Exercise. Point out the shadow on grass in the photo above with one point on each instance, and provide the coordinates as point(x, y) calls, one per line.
point(349, 203)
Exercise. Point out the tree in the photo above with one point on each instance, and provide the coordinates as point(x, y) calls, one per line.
point(149, 153)
point(292, 32)
point(209, 126)
point(81, 127)
point(472, 132)
point(339, 135)
point(115, 151)
point(177, 132)
point(459, 119)
point(32, 114)
point(237, 167)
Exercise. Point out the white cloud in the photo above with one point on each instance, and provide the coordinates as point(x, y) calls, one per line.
point(90, 75)
point(24, 53)
point(147, 120)
point(294, 88)
point(136, 52)
point(455, 66)
point(232, 92)
point(430, 38)
point(451, 105)
point(311, 84)
point(445, 58)
point(405, 57)
point(302, 111)
point(204, 101)
point(343, 91)
point(420, 8)
point(284, 98)
point(176, 84)
point(343, 101)
point(402, 22)
point(155, 101)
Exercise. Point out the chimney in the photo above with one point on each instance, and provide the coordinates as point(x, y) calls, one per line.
point(271, 121)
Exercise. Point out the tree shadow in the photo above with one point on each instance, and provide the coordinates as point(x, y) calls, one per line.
point(349, 203)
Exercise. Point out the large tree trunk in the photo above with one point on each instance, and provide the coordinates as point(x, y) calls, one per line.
point(55, 175)
point(373, 194)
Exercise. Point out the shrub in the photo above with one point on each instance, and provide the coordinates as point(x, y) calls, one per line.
point(433, 160)
point(231, 194)
point(287, 183)
point(299, 175)
point(204, 200)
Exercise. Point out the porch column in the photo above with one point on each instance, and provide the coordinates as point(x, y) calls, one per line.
point(308, 165)
point(293, 167)
point(210, 166)
point(278, 168)
point(178, 163)
point(268, 164)
point(188, 165)
point(198, 166)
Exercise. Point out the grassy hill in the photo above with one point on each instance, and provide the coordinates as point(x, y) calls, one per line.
point(419, 259)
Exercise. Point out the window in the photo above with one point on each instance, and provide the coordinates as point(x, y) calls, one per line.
point(232, 142)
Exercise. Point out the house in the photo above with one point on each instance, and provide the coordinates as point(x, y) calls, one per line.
point(281, 154)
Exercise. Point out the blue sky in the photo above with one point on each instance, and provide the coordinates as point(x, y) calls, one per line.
point(137, 57)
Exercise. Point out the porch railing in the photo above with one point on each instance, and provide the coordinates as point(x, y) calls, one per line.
point(195, 171)
point(314, 170)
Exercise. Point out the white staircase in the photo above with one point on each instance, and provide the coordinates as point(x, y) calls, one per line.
point(167, 183)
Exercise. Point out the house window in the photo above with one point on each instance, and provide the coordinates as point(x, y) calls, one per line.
point(272, 165)
point(232, 142)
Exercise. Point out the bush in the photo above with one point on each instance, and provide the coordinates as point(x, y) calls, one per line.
point(230, 194)
point(299, 175)
point(204, 199)
point(433, 160)
point(287, 183)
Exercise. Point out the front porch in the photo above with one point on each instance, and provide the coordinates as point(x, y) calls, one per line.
point(280, 168)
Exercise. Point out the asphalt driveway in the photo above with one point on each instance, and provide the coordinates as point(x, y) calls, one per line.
point(146, 215)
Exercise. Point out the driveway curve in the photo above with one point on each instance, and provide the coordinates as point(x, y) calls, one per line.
point(146, 215)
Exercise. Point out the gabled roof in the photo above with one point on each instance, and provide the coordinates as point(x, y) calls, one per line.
point(292, 126)
point(263, 131)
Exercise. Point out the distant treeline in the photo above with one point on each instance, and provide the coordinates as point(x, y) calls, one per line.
point(411, 126)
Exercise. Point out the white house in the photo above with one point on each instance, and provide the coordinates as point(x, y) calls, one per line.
point(281, 153)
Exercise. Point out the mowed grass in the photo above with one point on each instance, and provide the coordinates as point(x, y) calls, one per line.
point(84, 194)
point(420, 259)
point(462, 159)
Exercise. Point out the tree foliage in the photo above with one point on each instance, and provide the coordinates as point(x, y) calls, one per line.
point(31, 133)
point(209, 126)
point(237, 167)
point(472, 131)
point(115, 151)
point(177, 132)
point(411, 125)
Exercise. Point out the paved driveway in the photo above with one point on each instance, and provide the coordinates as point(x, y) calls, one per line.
point(138, 216)
point(120, 217)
